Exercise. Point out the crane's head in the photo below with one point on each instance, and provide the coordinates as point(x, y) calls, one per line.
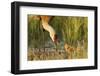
point(56, 40)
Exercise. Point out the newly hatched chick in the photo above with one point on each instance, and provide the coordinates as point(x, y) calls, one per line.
point(70, 50)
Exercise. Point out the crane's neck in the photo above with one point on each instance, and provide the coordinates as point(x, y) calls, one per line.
point(50, 29)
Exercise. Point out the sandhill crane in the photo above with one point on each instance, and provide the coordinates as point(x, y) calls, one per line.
point(46, 26)
point(49, 28)
point(69, 50)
